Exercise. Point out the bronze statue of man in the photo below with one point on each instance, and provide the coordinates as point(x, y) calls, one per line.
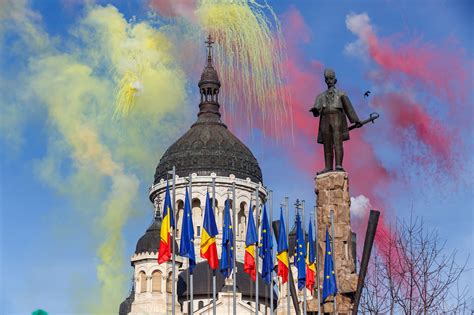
point(332, 106)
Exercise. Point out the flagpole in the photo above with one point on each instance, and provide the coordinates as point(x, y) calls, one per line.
point(234, 256)
point(167, 185)
point(214, 271)
point(333, 256)
point(315, 214)
point(270, 195)
point(289, 265)
point(317, 259)
point(173, 249)
point(256, 251)
point(302, 223)
point(191, 273)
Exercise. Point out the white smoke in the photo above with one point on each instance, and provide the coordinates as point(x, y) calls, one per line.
point(360, 205)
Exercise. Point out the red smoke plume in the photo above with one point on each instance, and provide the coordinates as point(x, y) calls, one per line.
point(439, 70)
point(409, 117)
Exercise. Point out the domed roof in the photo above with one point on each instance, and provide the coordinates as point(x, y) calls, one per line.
point(150, 241)
point(209, 75)
point(126, 305)
point(203, 284)
point(208, 146)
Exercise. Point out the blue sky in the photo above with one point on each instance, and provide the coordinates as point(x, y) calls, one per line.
point(48, 248)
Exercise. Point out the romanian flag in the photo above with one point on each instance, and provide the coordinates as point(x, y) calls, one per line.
point(164, 252)
point(208, 236)
point(250, 242)
point(310, 263)
point(282, 250)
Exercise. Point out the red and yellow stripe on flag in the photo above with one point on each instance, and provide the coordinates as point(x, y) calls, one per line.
point(310, 258)
point(208, 236)
point(209, 249)
point(249, 262)
point(283, 266)
point(310, 269)
point(164, 252)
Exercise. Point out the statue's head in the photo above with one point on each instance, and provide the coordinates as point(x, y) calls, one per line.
point(330, 77)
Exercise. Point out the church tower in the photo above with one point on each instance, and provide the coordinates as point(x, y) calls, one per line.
point(207, 152)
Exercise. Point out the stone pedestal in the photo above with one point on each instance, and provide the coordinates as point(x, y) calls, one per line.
point(332, 190)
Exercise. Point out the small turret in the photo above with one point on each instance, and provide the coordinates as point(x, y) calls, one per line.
point(209, 89)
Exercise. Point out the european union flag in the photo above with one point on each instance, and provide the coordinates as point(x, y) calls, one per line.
point(329, 282)
point(266, 247)
point(186, 245)
point(300, 254)
point(227, 243)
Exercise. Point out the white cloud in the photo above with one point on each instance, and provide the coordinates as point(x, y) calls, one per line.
point(359, 25)
point(360, 205)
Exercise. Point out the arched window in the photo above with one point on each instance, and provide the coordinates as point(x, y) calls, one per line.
point(241, 219)
point(196, 203)
point(169, 283)
point(197, 216)
point(179, 217)
point(156, 281)
point(142, 280)
point(200, 305)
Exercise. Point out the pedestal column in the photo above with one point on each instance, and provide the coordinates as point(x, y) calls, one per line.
point(332, 190)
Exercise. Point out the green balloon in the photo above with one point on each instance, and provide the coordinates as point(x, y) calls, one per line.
point(39, 312)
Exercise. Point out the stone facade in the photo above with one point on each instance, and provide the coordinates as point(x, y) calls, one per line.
point(332, 190)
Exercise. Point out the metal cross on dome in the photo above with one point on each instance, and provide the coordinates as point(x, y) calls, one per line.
point(209, 43)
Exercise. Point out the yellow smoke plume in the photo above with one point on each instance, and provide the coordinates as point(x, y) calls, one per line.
point(80, 84)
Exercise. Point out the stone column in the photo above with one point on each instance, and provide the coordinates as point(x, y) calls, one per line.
point(332, 190)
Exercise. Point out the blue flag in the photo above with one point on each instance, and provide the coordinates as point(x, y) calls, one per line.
point(266, 247)
point(251, 238)
point(329, 282)
point(186, 245)
point(300, 254)
point(227, 243)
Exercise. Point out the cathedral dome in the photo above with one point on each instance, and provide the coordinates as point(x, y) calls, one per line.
point(208, 146)
point(150, 241)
